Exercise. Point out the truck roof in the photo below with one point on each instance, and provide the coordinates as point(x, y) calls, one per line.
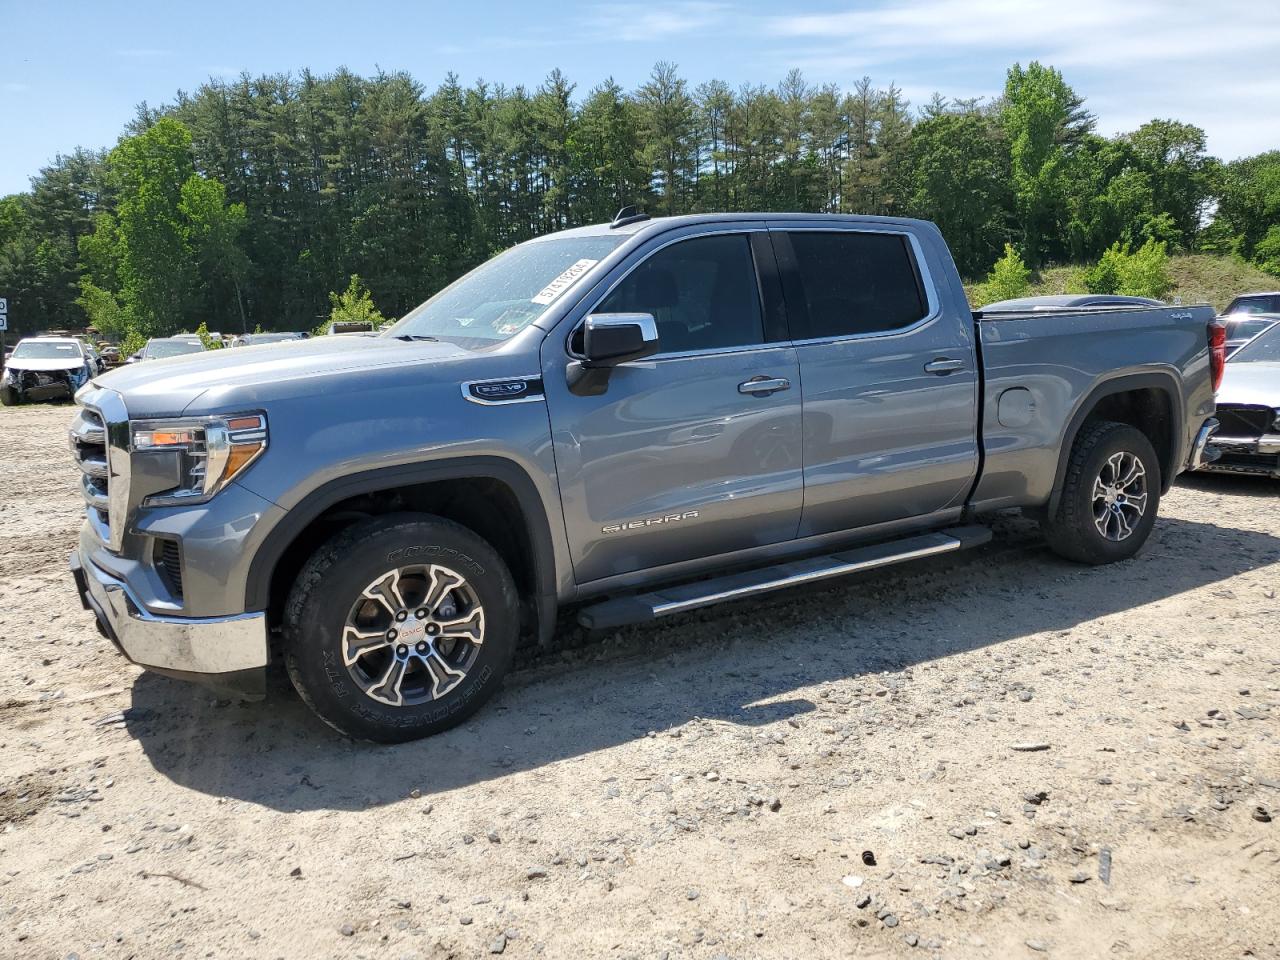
point(660, 224)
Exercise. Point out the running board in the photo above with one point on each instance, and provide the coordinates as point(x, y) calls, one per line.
point(690, 596)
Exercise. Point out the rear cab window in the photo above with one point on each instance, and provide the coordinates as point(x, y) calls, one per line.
point(846, 283)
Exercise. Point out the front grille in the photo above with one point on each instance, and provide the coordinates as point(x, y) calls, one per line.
point(1244, 420)
point(89, 447)
point(168, 563)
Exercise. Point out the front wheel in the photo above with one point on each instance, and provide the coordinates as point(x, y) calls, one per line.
point(400, 627)
point(9, 397)
point(1109, 497)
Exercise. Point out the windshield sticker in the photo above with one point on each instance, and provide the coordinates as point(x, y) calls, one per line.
point(563, 282)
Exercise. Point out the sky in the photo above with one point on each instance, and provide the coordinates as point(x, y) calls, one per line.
point(73, 71)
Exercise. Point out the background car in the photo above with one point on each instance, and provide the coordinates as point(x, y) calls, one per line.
point(1069, 301)
point(1265, 302)
point(350, 326)
point(1243, 327)
point(160, 347)
point(1248, 438)
point(45, 368)
point(254, 339)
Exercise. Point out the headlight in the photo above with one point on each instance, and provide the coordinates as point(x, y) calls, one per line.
point(209, 451)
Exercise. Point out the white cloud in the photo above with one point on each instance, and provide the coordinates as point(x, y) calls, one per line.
point(656, 21)
point(1132, 60)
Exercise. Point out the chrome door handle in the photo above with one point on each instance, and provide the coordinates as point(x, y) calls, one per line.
point(763, 386)
point(943, 365)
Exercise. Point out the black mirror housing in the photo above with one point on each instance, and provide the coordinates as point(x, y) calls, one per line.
point(609, 339)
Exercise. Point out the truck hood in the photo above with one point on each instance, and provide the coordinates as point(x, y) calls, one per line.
point(54, 363)
point(167, 387)
point(1251, 383)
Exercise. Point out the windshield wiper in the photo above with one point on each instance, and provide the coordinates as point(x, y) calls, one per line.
point(416, 336)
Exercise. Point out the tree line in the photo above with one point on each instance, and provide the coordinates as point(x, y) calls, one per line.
point(246, 203)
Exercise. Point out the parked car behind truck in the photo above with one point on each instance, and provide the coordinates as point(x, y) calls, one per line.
point(1249, 409)
point(609, 418)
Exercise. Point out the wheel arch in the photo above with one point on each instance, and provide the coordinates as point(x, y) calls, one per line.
point(338, 502)
point(1151, 402)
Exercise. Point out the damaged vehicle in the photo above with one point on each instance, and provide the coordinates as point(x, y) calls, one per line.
point(47, 368)
point(1248, 440)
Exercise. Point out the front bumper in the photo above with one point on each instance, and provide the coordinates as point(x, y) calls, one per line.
point(1256, 456)
point(229, 654)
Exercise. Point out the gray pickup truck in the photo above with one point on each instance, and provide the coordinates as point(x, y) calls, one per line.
point(634, 419)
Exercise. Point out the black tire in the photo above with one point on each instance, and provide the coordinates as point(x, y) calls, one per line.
point(1073, 532)
point(327, 590)
point(9, 397)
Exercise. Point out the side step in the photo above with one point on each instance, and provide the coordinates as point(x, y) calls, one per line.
point(678, 599)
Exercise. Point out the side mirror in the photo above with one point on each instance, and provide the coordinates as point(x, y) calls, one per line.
point(612, 338)
point(609, 339)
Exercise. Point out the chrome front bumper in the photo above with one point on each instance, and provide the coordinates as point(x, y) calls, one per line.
point(227, 653)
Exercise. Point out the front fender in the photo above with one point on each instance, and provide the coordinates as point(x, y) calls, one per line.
point(548, 568)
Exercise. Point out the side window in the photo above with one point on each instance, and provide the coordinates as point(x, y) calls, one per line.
point(857, 282)
point(702, 293)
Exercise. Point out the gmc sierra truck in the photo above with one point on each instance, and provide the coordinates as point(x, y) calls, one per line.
point(634, 419)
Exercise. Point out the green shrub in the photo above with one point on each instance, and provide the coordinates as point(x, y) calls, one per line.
point(1142, 273)
point(1009, 278)
point(353, 305)
point(206, 338)
point(133, 342)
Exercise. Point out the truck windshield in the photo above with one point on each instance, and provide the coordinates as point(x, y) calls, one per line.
point(500, 298)
point(46, 350)
point(1264, 348)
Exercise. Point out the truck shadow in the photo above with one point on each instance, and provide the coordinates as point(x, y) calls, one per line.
point(743, 664)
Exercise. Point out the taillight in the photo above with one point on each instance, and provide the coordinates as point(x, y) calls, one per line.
point(1217, 353)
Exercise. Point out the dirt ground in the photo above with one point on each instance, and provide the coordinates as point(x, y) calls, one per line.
point(703, 789)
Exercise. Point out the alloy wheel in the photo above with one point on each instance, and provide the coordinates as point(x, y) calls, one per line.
point(1119, 496)
point(413, 634)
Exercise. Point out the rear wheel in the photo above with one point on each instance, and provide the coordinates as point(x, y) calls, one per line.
point(1110, 495)
point(400, 627)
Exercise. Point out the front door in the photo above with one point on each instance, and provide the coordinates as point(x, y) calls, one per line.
point(677, 460)
point(890, 379)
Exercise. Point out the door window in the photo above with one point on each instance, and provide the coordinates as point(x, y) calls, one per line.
point(702, 293)
point(857, 283)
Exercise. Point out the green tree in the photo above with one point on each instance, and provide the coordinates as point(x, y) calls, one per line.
point(1248, 205)
point(1045, 122)
point(146, 267)
point(1180, 172)
point(959, 178)
point(669, 135)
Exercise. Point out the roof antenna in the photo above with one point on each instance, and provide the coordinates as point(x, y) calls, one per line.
point(628, 214)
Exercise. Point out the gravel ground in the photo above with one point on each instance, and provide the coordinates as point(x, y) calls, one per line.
point(1038, 759)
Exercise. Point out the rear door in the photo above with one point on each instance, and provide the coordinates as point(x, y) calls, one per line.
point(890, 378)
point(678, 460)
